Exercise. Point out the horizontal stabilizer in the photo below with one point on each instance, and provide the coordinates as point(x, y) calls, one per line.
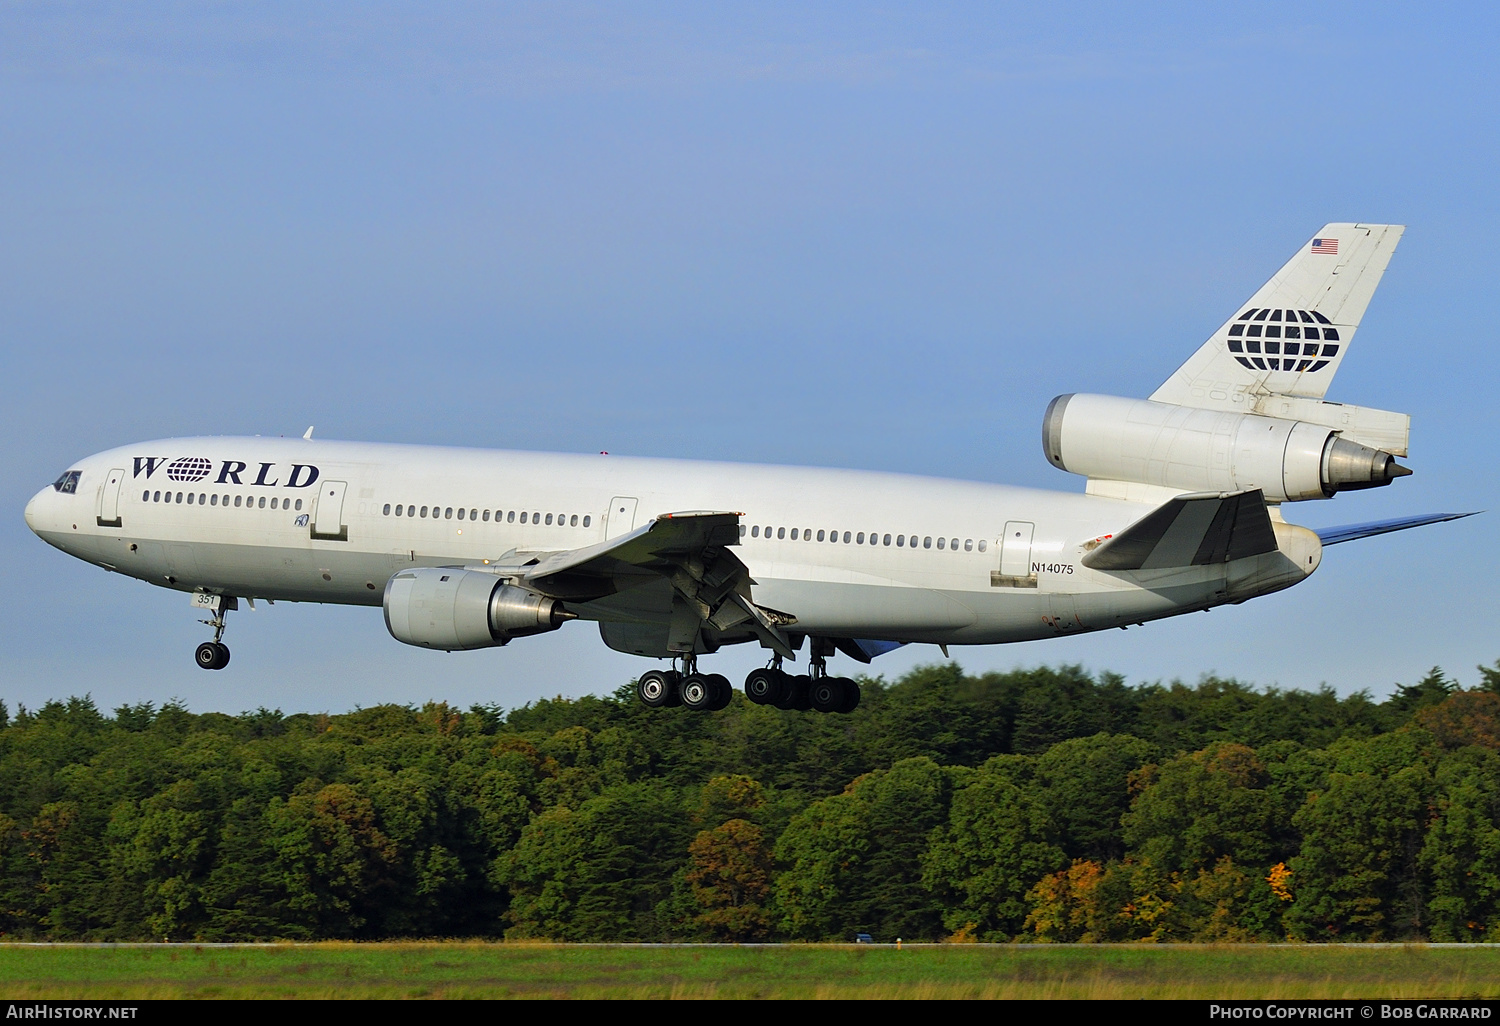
point(1190, 530)
point(1351, 532)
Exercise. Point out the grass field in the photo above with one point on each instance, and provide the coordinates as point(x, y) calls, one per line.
point(479, 970)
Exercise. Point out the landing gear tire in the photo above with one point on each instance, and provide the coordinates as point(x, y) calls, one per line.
point(797, 693)
point(723, 692)
point(658, 688)
point(211, 655)
point(827, 694)
point(698, 692)
point(851, 696)
point(766, 686)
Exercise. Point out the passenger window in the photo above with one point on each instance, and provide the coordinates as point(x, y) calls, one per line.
point(846, 538)
point(900, 541)
point(742, 530)
point(511, 517)
point(794, 534)
point(886, 540)
point(424, 511)
point(213, 500)
point(386, 511)
point(399, 510)
point(981, 545)
point(273, 501)
point(262, 502)
point(473, 514)
point(780, 532)
point(755, 531)
point(820, 536)
point(586, 519)
point(549, 519)
point(448, 513)
point(859, 539)
point(926, 543)
point(573, 521)
point(523, 516)
point(190, 498)
point(462, 513)
point(953, 544)
point(942, 543)
point(236, 502)
point(807, 534)
point(968, 544)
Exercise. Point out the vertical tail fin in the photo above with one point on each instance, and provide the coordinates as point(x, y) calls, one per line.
point(1290, 337)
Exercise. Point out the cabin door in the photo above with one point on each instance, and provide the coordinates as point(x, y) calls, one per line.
point(621, 517)
point(328, 515)
point(109, 500)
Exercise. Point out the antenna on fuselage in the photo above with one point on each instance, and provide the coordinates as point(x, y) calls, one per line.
point(308, 433)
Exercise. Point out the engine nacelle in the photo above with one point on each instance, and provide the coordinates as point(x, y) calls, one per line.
point(460, 609)
point(1192, 450)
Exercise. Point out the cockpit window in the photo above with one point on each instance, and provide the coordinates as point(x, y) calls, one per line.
point(68, 483)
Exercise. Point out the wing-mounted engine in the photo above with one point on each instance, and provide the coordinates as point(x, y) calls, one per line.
point(1316, 452)
point(451, 609)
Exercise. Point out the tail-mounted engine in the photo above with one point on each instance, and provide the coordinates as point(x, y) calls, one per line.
point(460, 609)
point(1136, 440)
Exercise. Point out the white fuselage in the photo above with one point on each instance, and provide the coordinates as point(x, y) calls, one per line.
point(876, 556)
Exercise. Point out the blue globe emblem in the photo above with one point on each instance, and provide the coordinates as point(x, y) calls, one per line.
point(189, 468)
point(1283, 340)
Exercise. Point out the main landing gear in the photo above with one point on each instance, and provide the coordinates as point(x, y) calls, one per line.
point(701, 692)
point(214, 655)
point(770, 685)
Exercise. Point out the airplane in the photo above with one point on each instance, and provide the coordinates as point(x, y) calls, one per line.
point(673, 559)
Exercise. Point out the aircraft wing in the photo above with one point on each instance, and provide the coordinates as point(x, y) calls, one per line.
point(1190, 530)
point(691, 550)
point(1350, 532)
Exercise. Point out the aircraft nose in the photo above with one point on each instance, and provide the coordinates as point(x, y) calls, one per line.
point(34, 513)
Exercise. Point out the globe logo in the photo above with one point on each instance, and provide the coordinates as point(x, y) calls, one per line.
point(1283, 340)
point(189, 468)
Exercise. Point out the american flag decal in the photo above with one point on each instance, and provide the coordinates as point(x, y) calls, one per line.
point(1330, 246)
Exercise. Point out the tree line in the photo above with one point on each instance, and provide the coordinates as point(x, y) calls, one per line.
point(1040, 805)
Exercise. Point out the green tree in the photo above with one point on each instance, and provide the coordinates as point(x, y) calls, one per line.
point(1461, 851)
point(597, 873)
point(998, 841)
point(1357, 875)
point(1084, 784)
point(854, 861)
point(1193, 810)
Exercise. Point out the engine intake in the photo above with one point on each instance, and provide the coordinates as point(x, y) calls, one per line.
point(1145, 442)
point(447, 609)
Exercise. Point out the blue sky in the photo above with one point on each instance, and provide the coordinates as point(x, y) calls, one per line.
point(867, 235)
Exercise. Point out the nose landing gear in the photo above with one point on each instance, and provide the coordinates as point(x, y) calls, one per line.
point(214, 655)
